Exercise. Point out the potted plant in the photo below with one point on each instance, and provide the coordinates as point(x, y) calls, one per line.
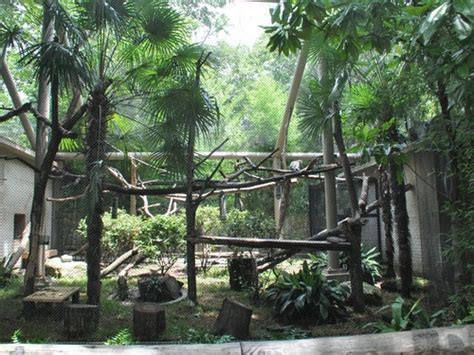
point(242, 265)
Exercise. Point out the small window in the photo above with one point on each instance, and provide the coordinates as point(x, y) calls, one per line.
point(19, 225)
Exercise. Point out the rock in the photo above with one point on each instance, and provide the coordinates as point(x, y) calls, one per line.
point(419, 285)
point(73, 269)
point(372, 294)
point(159, 288)
point(66, 258)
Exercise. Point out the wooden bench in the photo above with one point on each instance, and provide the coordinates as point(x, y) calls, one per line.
point(50, 295)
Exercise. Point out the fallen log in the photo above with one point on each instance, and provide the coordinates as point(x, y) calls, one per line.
point(119, 261)
point(80, 250)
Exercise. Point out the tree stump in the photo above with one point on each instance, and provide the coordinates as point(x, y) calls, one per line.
point(80, 320)
point(234, 319)
point(148, 321)
point(242, 273)
point(122, 288)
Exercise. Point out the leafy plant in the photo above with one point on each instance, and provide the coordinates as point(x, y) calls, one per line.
point(405, 317)
point(123, 337)
point(369, 262)
point(17, 337)
point(469, 319)
point(208, 222)
point(161, 238)
point(201, 337)
point(118, 235)
point(307, 294)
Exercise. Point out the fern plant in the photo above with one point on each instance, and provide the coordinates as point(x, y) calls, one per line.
point(405, 317)
point(307, 294)
point(123, 337)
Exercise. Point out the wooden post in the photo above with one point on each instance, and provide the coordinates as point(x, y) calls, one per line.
point(148, 321)
point(234, 319)
point(80, 320)
point(133, 182)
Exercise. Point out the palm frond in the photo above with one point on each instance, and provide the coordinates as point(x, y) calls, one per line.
point(56, 59)
point(161, 30)
point(97, 15)
point(11, 35)
point(312, 108)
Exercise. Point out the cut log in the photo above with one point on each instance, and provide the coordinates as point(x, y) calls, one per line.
point(242, 273)
point(122, 289)
point(148, 321)
point(119, 261)
point(234, 319)
point(80, 320)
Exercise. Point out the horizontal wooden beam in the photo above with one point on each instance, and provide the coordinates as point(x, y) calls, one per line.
point(270, 243)
point(445, 340)
point(118, 156)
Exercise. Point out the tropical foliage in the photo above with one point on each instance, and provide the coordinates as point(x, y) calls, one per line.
point(308, 295)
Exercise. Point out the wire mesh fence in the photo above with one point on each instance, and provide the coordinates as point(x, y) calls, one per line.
point(144, 253)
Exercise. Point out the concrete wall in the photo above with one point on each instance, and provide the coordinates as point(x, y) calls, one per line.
point(423, 205)
point(16, 195)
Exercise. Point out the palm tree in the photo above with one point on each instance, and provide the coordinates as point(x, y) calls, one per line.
point(187, 113)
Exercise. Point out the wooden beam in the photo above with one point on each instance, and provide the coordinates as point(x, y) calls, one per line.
point(445, 340)
point(270, 243)
point(118, 156)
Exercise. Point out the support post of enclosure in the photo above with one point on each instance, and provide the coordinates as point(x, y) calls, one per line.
point(133, 181)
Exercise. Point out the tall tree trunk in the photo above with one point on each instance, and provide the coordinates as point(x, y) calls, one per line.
point(384, 185)
point(401, 227)
point(463, 275)
point(191, 208)
point(281, 204)
point(41, 184)
point(43, 162)
point(356, 230)
point(15, 97)
point(95, 140)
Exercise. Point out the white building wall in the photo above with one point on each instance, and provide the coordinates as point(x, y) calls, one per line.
point(16, 195)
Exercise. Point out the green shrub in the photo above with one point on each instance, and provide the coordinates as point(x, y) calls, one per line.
point(307, 294)
point(161, 239)
point(244, 224)
point(208, 220)
point(118, 235)
point(194, 336)
point(405, 317)
point(369, 261)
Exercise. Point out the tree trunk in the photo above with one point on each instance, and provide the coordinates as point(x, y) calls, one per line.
point(191, 208)
point(80, 320)
point(355, 230)
point(401, 228)
point(149, 321)
point(15, 97)
point(41, 183)
point(95, 156)
point(234, 319)
point(280, 161)
point(463, 275)
point(385, 195)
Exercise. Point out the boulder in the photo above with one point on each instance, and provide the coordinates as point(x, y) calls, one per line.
point(159, 288)
point(372, 294)
point(55, 267)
